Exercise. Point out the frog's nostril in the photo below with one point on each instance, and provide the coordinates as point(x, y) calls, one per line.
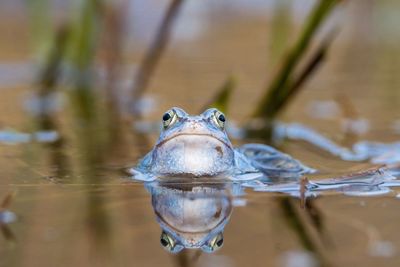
point(193, 125)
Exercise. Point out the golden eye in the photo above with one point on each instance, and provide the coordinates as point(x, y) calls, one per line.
point(167, 242)
point(217, 242)
point(169, 118)
point(219, 119)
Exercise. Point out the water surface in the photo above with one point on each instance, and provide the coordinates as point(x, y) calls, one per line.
point(76, 205)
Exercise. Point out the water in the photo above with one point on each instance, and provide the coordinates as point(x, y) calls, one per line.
point(74, 204)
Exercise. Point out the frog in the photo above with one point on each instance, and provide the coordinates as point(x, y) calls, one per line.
point(196, 146)
point(191, 216)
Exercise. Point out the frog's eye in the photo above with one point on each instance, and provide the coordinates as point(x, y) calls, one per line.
point(214, 243)
point(169, 118)
point(219, 119)
point(167, 242)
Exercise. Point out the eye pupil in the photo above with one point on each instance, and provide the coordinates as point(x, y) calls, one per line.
point(220, 242)
point(166, 117)
point(221, 117)
point(164, 242)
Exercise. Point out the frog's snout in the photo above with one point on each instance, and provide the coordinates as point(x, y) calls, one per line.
point(194, 125)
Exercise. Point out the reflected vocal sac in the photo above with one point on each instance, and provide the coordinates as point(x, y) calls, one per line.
point(191, 216)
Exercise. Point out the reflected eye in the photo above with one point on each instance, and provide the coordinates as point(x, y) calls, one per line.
point(219, 119)
point(215, 243)
point(167, 242)
point(169, 118)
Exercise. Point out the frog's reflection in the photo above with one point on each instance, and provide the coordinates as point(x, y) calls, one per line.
point(191, 215)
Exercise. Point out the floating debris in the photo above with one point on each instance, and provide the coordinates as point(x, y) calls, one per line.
point(371, 182)
point(323, 109)
point(7, 217)
point(355, 126)
point(298, 259)
point(12, 137)
point(45, 136)
point(382, 249)
point(375, 152)
point(44, 105)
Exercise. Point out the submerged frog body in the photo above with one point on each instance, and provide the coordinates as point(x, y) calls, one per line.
point(198, 146)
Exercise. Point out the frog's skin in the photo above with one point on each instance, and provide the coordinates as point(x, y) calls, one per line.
point(198, 146)
point(191, 216)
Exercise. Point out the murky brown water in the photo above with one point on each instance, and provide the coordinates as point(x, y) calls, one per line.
point(77, 207)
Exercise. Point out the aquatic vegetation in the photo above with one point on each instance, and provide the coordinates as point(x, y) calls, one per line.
point(289, 80)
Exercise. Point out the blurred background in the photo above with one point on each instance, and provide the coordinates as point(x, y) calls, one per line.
point(83, 85)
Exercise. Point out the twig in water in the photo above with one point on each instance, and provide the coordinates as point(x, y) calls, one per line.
point(303, 190)
point(114, 27)
point(114, 24)
point(153, 55)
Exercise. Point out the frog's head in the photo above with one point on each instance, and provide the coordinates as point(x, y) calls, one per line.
point(194, 145)
point(172, 245)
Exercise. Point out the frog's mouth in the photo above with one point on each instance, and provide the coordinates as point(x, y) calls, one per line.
point(198, 154)
point(176, 136)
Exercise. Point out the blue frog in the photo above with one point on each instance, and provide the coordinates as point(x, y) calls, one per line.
point(198, 146)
